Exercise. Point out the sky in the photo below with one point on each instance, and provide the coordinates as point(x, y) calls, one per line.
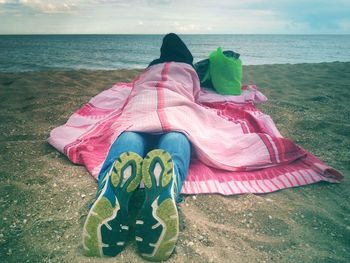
point(180, 16)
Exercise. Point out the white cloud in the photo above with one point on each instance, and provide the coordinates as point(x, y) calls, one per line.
point(159, 16)
point(8, 1)
point(50, 6)
point(189, 28)
point(56, 6)
point(131, 2)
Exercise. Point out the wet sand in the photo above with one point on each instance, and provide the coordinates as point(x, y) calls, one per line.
point(44, 197)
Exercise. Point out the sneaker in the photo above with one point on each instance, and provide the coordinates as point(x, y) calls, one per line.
point(157, 225)
point(106, 229)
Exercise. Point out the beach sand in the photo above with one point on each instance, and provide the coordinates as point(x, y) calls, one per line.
point(44, 197)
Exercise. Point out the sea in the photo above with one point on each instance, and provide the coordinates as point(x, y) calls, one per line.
point(20, 53)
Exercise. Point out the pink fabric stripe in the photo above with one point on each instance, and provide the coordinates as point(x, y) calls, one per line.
point(297, 178)
point(311, 175)
point(247, 187)
point(221, 187)
point(268, 175)
point(203, 186)
point(268, 147)
point(161, 100)
point(240, 187)
point(197, 184)
point(263, 186)
point(308, 179)
point(194, 187)
point(90, 108)
point(206, 183)
point(287, 177)
point(271, 185)
point(277, 183)
point(261, 179)
point(286, 180)
point(256, 188)
point(225, 188)
point(292, 179)
point(243, 125)
point(277, 174)
point(196, 180)
point(246, 126)
point(282, 150)
point(274, 148)
point(233, 189)
point(301, 176)
point(236, 188)
point(212, 186)
point(275, 179)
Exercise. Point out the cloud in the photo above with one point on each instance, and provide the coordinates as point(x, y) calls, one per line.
point(131, 2)
point(50, 6)
point(56, 6)
point(183, 16)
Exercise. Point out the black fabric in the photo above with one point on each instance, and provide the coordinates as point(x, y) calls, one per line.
point(173, 49)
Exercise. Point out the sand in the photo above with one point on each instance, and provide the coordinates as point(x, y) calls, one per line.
point(44, 197)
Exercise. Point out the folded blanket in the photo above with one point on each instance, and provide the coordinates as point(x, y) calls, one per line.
point(238, 149)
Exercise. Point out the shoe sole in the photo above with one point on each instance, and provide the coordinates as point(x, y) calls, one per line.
point(106, 229)
point(157, 225)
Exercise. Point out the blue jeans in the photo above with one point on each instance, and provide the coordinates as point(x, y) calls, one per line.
point(175, 143)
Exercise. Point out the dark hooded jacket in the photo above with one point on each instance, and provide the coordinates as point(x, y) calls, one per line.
point(173, 49)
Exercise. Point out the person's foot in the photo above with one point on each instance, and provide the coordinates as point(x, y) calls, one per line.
point(106, 229)
point(157, 225)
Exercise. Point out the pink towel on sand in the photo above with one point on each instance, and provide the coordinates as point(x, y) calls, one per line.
point(237, 148)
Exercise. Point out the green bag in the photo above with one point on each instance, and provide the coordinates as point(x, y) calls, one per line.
point(225, 73)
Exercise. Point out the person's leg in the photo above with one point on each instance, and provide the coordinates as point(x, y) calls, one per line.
point(126, 142)
point(106, 228)
point(157, 225)
point(179, 147)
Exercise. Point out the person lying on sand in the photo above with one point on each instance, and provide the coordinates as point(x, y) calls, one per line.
point(166, 133)
point(161, 161)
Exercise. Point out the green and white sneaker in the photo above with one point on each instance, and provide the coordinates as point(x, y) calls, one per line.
point(157, 225)
point(106, 229)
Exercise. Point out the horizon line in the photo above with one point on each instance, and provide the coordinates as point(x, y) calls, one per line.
point(159, 34)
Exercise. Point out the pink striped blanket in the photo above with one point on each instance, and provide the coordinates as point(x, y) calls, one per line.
point(237, 148)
